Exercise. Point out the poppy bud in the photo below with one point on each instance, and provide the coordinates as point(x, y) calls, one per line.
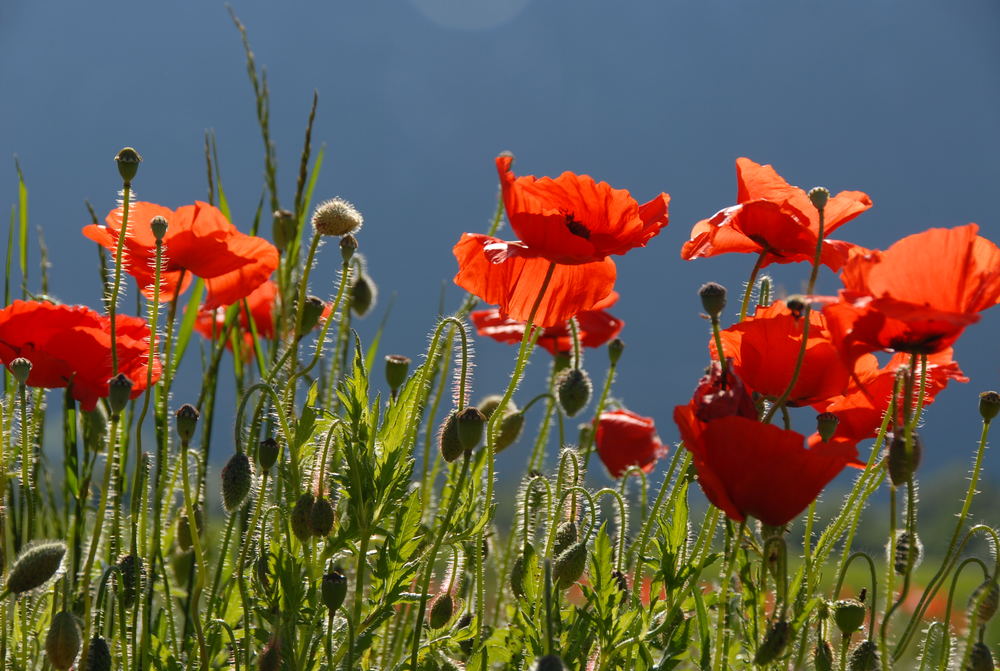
point(128, 161)
point(63, 641)
point(989, 405)
point(185, 534)
point(267, 453)
point(131, 570)
point(819, 197)
point(270, 657)
point(980, 658)
point(823, 656)
point(984, 600)
point(448, 441)
point(187, 422)
point(442, 609)
point(321, 517)
point(301, 514)
point(864, 657)
point(569, 565)
point(489, 404)
point(615, 349)
point(463, 623)
point(312, 310)
point(183, 565)
point(775, 641)
point(510, 430)
point(903, 464)
point(336, 217)
point(713, 298)
point(283, 228)
point(334, 589)
point(98, 655)
point(776, 558)
point(849, 614)
point(237, 478)
point(348, 245)
point(826, 425)
point(362, 294)
point(36, 566)
point(262, 570)
point(548, 663)
point(20, 368)
point(397, 367)
point(566, 535)
point(573, 389)
point(909, 551)
point(471, 423)
point(158, 225)
point(119, 390)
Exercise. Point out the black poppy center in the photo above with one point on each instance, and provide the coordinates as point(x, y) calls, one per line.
point(576, 228)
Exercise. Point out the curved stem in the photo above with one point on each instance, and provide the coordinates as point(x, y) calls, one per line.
point(750, 283)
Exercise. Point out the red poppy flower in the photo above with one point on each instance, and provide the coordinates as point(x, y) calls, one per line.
point(199, 241)
point(918, 295)
point(747, 468)
point(71, 346)
point(722, 395)
point(626, 439)
point(595, 328)
point(774, 217)
point(573, 219)
point(764, 348)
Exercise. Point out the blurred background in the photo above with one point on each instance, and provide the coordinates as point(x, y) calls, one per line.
point(897, 99)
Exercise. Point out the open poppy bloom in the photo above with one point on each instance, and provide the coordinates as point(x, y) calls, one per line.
point(199, 241)
point(918, 295)
point(775, 218)
point(626, 439)
point(573, 219)
point(595, 328)
point(71, 346)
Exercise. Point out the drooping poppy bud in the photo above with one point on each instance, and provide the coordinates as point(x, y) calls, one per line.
point(348, 245)
point(819, 197)
point(566, 535)
point(336, 217)
point(37, 565)
point(471, 423)
point(158, 225)
point(902, 464)
point(283, 228)
point(128, 160)
point(448, 441)
point(237, 479)
point(334, 589)
point(573, 388)
point(98, 655)
point(442, 608)
point(301, 513)
point(363, 294)
point(397, 367)
point(849, 615)
point(185, 533)
point(909, 551)
point(63, 640)
point(984, 600)
point(713, 299)
point(510, 430)
point(826, 425)
point(311, 312)
point(187, 422)
point(20, 368)
point(774, 643)
point(980, 658)
point(321, 517)
point(131, 569)
point(989, 405)
point(864, 657)
point(520, 571)
point(823, 656)
point(569, 565)
point(267, 453)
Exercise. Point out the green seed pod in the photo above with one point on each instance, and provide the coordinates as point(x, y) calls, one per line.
point(775, 642)
point(348, 245)
point(363, 293)
point(826, 425)
point(237, 480)
point(334, 589)
point(128, 160)
point(849, 615)
point(569, 565)
point(819, 197)
point(520, 572)
point(713, 298)
point(336, 217)
point(312, 310)
point(989, 405)
point(823, 656)
point(984, 600)
point(98, 656)
point(301, 517)
point(283, 228)
point(864, 657)
point(448, 440)
point(187, 422)
point(980, 658)
point(158, 226)
point(397, 367)
point(37, 564)
point(573, 389)
point(321, 517)
point(20, 368)
point(63, 641)
point(132, 571)
point(566, 535)
point(270, 657)
point(267, 453)
point(903, 465)
point(510, 430)
point(442, 609)
point(119, 390)
point(548, 663)
point(471, 423)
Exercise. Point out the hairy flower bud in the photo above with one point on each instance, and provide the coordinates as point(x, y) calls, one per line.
point(63, 640)
point(713, 299)
point(158, 226)
point(312, 310)
point(615, 349)
point(37, 565)
point(442, 608)
point(20, 368)
point(510, 430)
point(849, 615)
point(98, 655)
point(864, 657)
point(321, 517)
point(774, 643)
point(573, 389)
point(128, 160)
point(520, 571)
point(823, 656)
point(984, 600)
point(185, 534)
point(902, 463)
point(989, 405)
point(119, 390)
point(980, 658)
point(448, 441)
point(283, 228)
point(237, 479)
point(471, 423)
point(348, 245)
point(566, 535)
point(301, 514)
point(131, 570)
point(334, 589)
point(363, 294)
point(909, 551)
point(267, 453)
point(569, 565)
point(397, 367)
point(336, 217)
point(187, 422)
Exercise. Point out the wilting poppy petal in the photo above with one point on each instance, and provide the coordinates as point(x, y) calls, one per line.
point(626, 439)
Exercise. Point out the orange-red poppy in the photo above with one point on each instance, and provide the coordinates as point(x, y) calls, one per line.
point(918, 295)
point(572, 219)
point(626, 439)
point(774, 218)
point(595, 328)
point(199, 241)
point(721, 394)
point(71, 346)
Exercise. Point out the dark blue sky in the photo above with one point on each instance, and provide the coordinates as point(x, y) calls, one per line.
point(898, 99)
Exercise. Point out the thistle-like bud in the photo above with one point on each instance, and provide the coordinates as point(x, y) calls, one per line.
point(569, 565)
point(20, 368)
point(283, 228)
point(819, 197)
point(336, 217)
point(980, 658)
point(713, 299)
point(237, 479)
point(774, 643)
point(36, 566)
point(119, 390)
point(270, 657)
point(321, 517)
point(903, 464)
point(823, 656)
point(573, 389)
point(128, 160)
point(566, 535)
point(984, 600)
point(312, 310)
point(397, 367)
point(519, 572)
point(471, 423)
point(362, 294)
point(826, 425)
point(448, 441)
point(348, 245)
point(989, 405)
point(909, 551)
point(98, 655)
point(849, 615)
point(334, 589)
point(548, 663)
point(301, 517)
point(864, 657)
point(158, 225)
point(131, 570)
point(615, 349)
point(442, 608)
point(63, 641)
point(267, 453)
point(187, 422)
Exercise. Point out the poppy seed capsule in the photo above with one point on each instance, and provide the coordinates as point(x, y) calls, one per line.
point(826, 425)
point(569, 565)
point(336, 217)
point(267, 453)
point(989, 405)
point(334, 590)
point(984, 599)
point(774, 643)
point(158, 226)
point(348, 245)
point(448, 440)
point(20, 368)
point(471, 423)
point(321, 517)
point(63, 641)
point(819, 197)
point(864, 657)
point(362, 294)
point(849, 615)
point(980, 658)
point(187, 422)
point(903, 464)
point(35, 567)
point(397, 367)
point(301, 514)
point(441, 610)
point(713, 299)
point(548, 663)
point(237, 479)
point(98, 655)
point(119, 390)
point(573, 389)
point(823, 656)
point(312, 310)
point(615, 349)
point(128, 160)
point(283, 228)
